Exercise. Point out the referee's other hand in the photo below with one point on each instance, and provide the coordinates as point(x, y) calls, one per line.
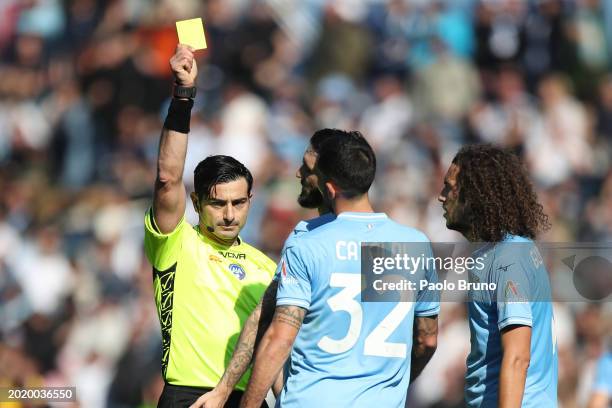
point(184, 66)
point(212, 399)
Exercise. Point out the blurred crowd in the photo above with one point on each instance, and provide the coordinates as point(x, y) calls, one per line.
point(84, 87)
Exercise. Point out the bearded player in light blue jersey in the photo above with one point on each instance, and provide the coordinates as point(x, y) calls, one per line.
point(344, 352)
point(487, 197)
point(258, 322)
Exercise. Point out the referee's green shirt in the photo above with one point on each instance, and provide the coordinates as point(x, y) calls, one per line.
point(204, 293)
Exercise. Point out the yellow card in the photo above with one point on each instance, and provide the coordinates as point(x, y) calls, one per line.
point(191, 32)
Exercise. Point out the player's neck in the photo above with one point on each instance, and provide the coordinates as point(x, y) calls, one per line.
point(357, 204)
point(324, 209)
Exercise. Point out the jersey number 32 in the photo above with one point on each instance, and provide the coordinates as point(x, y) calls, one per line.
point(375, 343)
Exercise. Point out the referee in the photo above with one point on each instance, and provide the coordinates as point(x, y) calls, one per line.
point(207, 281)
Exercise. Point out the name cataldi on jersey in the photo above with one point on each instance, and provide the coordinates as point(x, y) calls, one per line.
point(345, 251)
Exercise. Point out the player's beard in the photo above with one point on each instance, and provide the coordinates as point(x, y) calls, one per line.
point(459, 218)
point(310, 197)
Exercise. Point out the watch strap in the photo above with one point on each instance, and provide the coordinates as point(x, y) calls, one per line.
point(184, 91)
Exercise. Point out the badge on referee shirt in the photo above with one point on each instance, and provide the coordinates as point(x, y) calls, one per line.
point(237, 270)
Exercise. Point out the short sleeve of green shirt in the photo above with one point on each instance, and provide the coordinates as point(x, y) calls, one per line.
point(162, 250)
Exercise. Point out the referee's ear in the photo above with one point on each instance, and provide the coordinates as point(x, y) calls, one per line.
point(195, 201)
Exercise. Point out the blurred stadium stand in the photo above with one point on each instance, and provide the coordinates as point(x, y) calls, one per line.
point(84, 86)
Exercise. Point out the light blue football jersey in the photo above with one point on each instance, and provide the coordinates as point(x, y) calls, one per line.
point(603, 375)
point(348, 353)
point(301, 228)
point(522, 297)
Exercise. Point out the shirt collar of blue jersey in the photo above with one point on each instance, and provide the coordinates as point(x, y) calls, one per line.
point(508, 239)
point(361, 215)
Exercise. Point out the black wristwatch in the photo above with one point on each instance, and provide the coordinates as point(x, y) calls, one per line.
point(184, 91)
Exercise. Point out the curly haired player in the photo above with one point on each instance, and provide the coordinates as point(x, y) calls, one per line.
point(487, 197)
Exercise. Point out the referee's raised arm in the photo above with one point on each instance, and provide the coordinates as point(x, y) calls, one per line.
point(169, 194)
point(206, 279)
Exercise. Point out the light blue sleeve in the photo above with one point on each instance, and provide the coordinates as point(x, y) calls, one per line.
point(294, 288)
point(428, 301)
point(513, 292)
point(288, 242)
point(603, 375)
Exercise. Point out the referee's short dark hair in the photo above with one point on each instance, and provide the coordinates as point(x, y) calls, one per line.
point(347, 159)
point(218, 169)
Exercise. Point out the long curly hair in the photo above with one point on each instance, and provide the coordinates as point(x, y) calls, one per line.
point(494, 184)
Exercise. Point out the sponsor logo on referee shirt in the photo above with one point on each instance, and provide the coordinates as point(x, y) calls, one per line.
point(214, 258)
point(232, 255)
